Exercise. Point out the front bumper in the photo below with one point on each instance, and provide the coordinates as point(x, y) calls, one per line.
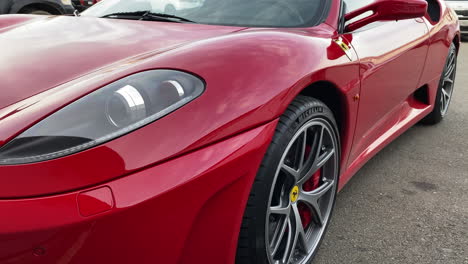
point(186, 210)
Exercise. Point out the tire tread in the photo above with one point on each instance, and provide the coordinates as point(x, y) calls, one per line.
point(246, 251)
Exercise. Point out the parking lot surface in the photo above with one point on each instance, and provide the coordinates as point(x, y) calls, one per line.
point(409, 204)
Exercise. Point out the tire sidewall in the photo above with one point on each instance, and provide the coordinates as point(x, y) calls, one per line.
point(309, 110)
point(437, 112)
point(40, 12)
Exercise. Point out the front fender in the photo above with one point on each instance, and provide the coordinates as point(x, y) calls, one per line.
point(251, 78)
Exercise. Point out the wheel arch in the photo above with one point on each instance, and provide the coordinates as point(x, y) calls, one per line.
point(343, 103)
point(51, 7)
point(456, 41)
point(332, 96)
point(41, 6)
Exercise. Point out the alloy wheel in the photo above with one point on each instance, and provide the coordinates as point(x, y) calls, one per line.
point(448, 82)
point(302, 194)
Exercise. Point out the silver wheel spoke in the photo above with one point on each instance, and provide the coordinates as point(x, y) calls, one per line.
point(278, 236)
point(319, 144)
point(290, 243)
point(447, 84)
point(443, 97)
point(445, 93)
point(312, 148)
point(324, 158)
point(316, 148)
point(451, 66)
point(448, 80)
point(303, 149)
point(315, 159)
point(296, 234)
point(312, 199)
point(318, 163)
point(300, 153)
point(292, 172)
point(299, 228)
point(280, 210)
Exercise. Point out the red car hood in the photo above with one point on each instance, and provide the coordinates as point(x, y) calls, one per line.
point(39, 53)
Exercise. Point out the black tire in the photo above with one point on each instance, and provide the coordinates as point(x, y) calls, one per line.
point(440, 110)
point(252, 237)
point(34, 11)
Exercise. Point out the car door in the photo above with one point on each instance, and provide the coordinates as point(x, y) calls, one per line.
point(392, 55)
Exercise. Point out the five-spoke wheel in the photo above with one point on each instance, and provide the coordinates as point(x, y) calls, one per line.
point(448, 82)
point(294, 193)
point(445, 89)
point(303, 193)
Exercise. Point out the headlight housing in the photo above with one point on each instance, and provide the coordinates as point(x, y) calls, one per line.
point(103, 115)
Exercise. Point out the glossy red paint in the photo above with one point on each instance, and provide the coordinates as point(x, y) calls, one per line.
point(182, 182)
point(162, 213)
point(262, 100)
point(380, 102)
point(95, 201)
point(387, 10)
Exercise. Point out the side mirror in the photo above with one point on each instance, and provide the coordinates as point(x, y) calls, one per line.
point(386, 10)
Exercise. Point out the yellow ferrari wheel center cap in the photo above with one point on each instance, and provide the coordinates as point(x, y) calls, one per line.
point(294, 194)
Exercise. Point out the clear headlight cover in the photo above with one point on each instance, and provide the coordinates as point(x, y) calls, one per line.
point(103, 115)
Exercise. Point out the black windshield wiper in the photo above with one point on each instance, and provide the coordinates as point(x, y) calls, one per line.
point(147, 15)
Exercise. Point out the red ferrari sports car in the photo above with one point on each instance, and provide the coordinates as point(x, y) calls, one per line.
point(217, 133)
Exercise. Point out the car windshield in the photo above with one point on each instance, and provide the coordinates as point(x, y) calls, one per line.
point(253, 13)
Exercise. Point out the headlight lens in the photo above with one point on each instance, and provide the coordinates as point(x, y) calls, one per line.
point(103, 115)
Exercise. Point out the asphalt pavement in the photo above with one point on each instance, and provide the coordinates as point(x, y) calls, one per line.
point(409, 204)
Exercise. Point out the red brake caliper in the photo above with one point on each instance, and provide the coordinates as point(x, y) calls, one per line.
point(310, 185)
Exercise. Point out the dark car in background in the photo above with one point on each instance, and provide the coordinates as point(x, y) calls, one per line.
point(38, 7)
point(81, 5)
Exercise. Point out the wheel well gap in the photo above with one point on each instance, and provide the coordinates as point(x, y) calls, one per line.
point(44, 7)
point(330, 95)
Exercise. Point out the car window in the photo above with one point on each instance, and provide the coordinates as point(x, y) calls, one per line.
point(352, 5)
point(260, 13)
